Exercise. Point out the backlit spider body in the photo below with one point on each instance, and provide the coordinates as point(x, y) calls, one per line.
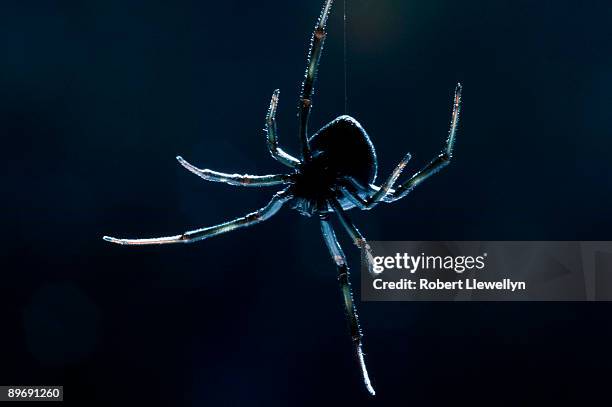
point(336, 172)
point(341, 150)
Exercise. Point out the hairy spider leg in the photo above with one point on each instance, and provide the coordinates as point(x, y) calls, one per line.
point(237, 179)
point(272, 135)
point(347, 294)
point(405, 188)
point(371, 201)
point(251, 219)
point(354, 233)
point(312, 66)
point(437, 163)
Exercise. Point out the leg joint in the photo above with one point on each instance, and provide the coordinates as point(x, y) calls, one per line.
point(185, 238)
point(362, 243)
point(253, 217)
point(343, 273)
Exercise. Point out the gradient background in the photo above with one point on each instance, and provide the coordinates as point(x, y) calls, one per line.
point(97, 97)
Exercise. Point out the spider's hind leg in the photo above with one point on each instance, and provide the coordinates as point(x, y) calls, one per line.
point(354, 233)
point(253, 218)
point(347, 294)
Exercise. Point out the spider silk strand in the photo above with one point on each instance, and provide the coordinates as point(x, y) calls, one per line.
point(345, 59)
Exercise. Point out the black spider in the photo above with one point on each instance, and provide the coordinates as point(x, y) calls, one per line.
point(337, 172)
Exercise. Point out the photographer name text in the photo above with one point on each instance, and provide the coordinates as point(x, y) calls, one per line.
point(457, 265)
point(467, 284)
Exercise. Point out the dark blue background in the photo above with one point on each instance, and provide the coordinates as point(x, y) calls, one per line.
point(96, 99)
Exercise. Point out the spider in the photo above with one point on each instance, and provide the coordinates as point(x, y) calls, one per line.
point(336, 173)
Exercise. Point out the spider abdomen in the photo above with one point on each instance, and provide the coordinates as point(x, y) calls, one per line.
point(345, 146)
point(340, 149)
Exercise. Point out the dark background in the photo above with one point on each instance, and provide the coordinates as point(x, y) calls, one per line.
point(97, 97)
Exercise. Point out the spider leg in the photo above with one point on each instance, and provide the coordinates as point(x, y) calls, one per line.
point(253, 218)
point(237, 179)
point(355, 190)
point(437, 163)
point(312, 66)
point(374, 197)
point(354, 233)
point(354, 198)
point(272, 139)
point(347, 294)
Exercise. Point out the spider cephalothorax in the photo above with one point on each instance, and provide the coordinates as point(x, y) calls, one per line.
point(337, 172)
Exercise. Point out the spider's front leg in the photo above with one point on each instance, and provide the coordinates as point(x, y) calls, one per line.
point(437, 163)
point(237, 179)
point(347, 295)
point(272, 135)
point(373, 197)
point(375, 194)
point(312, 66)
